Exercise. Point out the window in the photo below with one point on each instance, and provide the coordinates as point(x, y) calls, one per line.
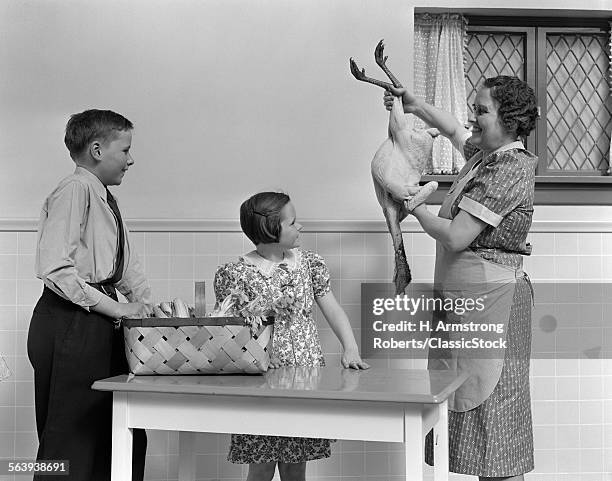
point(567, 62)
point(568, 67)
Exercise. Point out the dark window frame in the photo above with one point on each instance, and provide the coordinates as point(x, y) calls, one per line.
point(561, 188)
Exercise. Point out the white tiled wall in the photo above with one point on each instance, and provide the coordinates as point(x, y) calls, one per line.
point(572, 399)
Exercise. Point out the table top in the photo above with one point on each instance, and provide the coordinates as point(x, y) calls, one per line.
point(374, 384)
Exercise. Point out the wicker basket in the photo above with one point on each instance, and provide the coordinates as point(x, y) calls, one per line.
point(196, 345)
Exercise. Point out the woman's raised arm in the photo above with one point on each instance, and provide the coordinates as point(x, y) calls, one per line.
point(448, 125)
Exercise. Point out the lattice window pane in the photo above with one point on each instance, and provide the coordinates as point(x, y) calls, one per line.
point(489, 54)
point(579, 117)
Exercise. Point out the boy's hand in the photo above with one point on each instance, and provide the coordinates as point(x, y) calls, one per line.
point(274, 363)
point(351, 359)
point(136, 310)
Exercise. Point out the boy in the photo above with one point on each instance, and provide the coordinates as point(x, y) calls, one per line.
point(83, 255)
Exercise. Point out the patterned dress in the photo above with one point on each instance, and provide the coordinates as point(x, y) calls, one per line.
point(495, 439)
point(295, 342)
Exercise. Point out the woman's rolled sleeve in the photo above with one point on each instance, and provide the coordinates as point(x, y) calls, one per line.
point(496, 190)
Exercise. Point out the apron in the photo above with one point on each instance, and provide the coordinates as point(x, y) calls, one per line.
point(465, 274)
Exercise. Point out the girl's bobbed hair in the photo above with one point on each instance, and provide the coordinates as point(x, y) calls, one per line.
point(518, 106)
point(260, 216)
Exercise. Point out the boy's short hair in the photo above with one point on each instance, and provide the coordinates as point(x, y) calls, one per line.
point(90, 125)
point(260, 216)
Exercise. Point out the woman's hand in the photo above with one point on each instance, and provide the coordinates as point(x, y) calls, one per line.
point(405, 211)
point(409, 101)
point(419, 209)
point(351, 359)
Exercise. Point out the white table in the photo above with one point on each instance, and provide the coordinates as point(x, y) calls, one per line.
point(390, 405)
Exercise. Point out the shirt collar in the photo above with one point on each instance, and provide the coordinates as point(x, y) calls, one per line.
point(266, 266)
point(474, 162)
point(517, 144)
point(478, 156)
point(92, 180)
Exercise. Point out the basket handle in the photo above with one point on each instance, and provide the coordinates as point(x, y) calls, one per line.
point(200, 299)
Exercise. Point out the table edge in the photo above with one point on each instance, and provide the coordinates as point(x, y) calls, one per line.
point(116, 387)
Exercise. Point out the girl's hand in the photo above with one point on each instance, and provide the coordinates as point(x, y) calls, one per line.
point(352, 360)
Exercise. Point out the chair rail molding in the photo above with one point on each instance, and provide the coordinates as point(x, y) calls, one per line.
point(309, 225)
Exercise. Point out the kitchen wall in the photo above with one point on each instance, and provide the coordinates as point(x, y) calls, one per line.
point(230, 97)
point(571, 398)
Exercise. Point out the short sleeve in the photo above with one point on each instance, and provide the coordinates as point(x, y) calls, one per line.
point(497, 188)
point(319, 273)
point(225, 281)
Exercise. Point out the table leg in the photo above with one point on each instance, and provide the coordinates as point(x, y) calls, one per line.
point(440, 436)
point(413, 443)
point(121, 460)
point(187, 461)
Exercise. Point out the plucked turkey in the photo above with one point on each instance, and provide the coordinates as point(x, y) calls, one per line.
point(397, 167)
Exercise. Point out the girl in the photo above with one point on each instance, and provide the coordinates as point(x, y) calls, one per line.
point(278, 269)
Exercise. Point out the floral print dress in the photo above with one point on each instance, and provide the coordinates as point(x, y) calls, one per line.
point(302, 277)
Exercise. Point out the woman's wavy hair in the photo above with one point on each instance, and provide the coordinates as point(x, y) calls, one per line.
point(518, 107)
point(260, 216)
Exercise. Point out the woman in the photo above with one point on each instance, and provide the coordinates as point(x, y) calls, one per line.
point(480, 234)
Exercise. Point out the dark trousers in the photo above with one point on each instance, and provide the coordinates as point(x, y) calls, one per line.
point(69, 349)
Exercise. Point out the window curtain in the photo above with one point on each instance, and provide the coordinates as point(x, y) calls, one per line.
point(5, 372)
point(439, 78)
point(609, 171)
